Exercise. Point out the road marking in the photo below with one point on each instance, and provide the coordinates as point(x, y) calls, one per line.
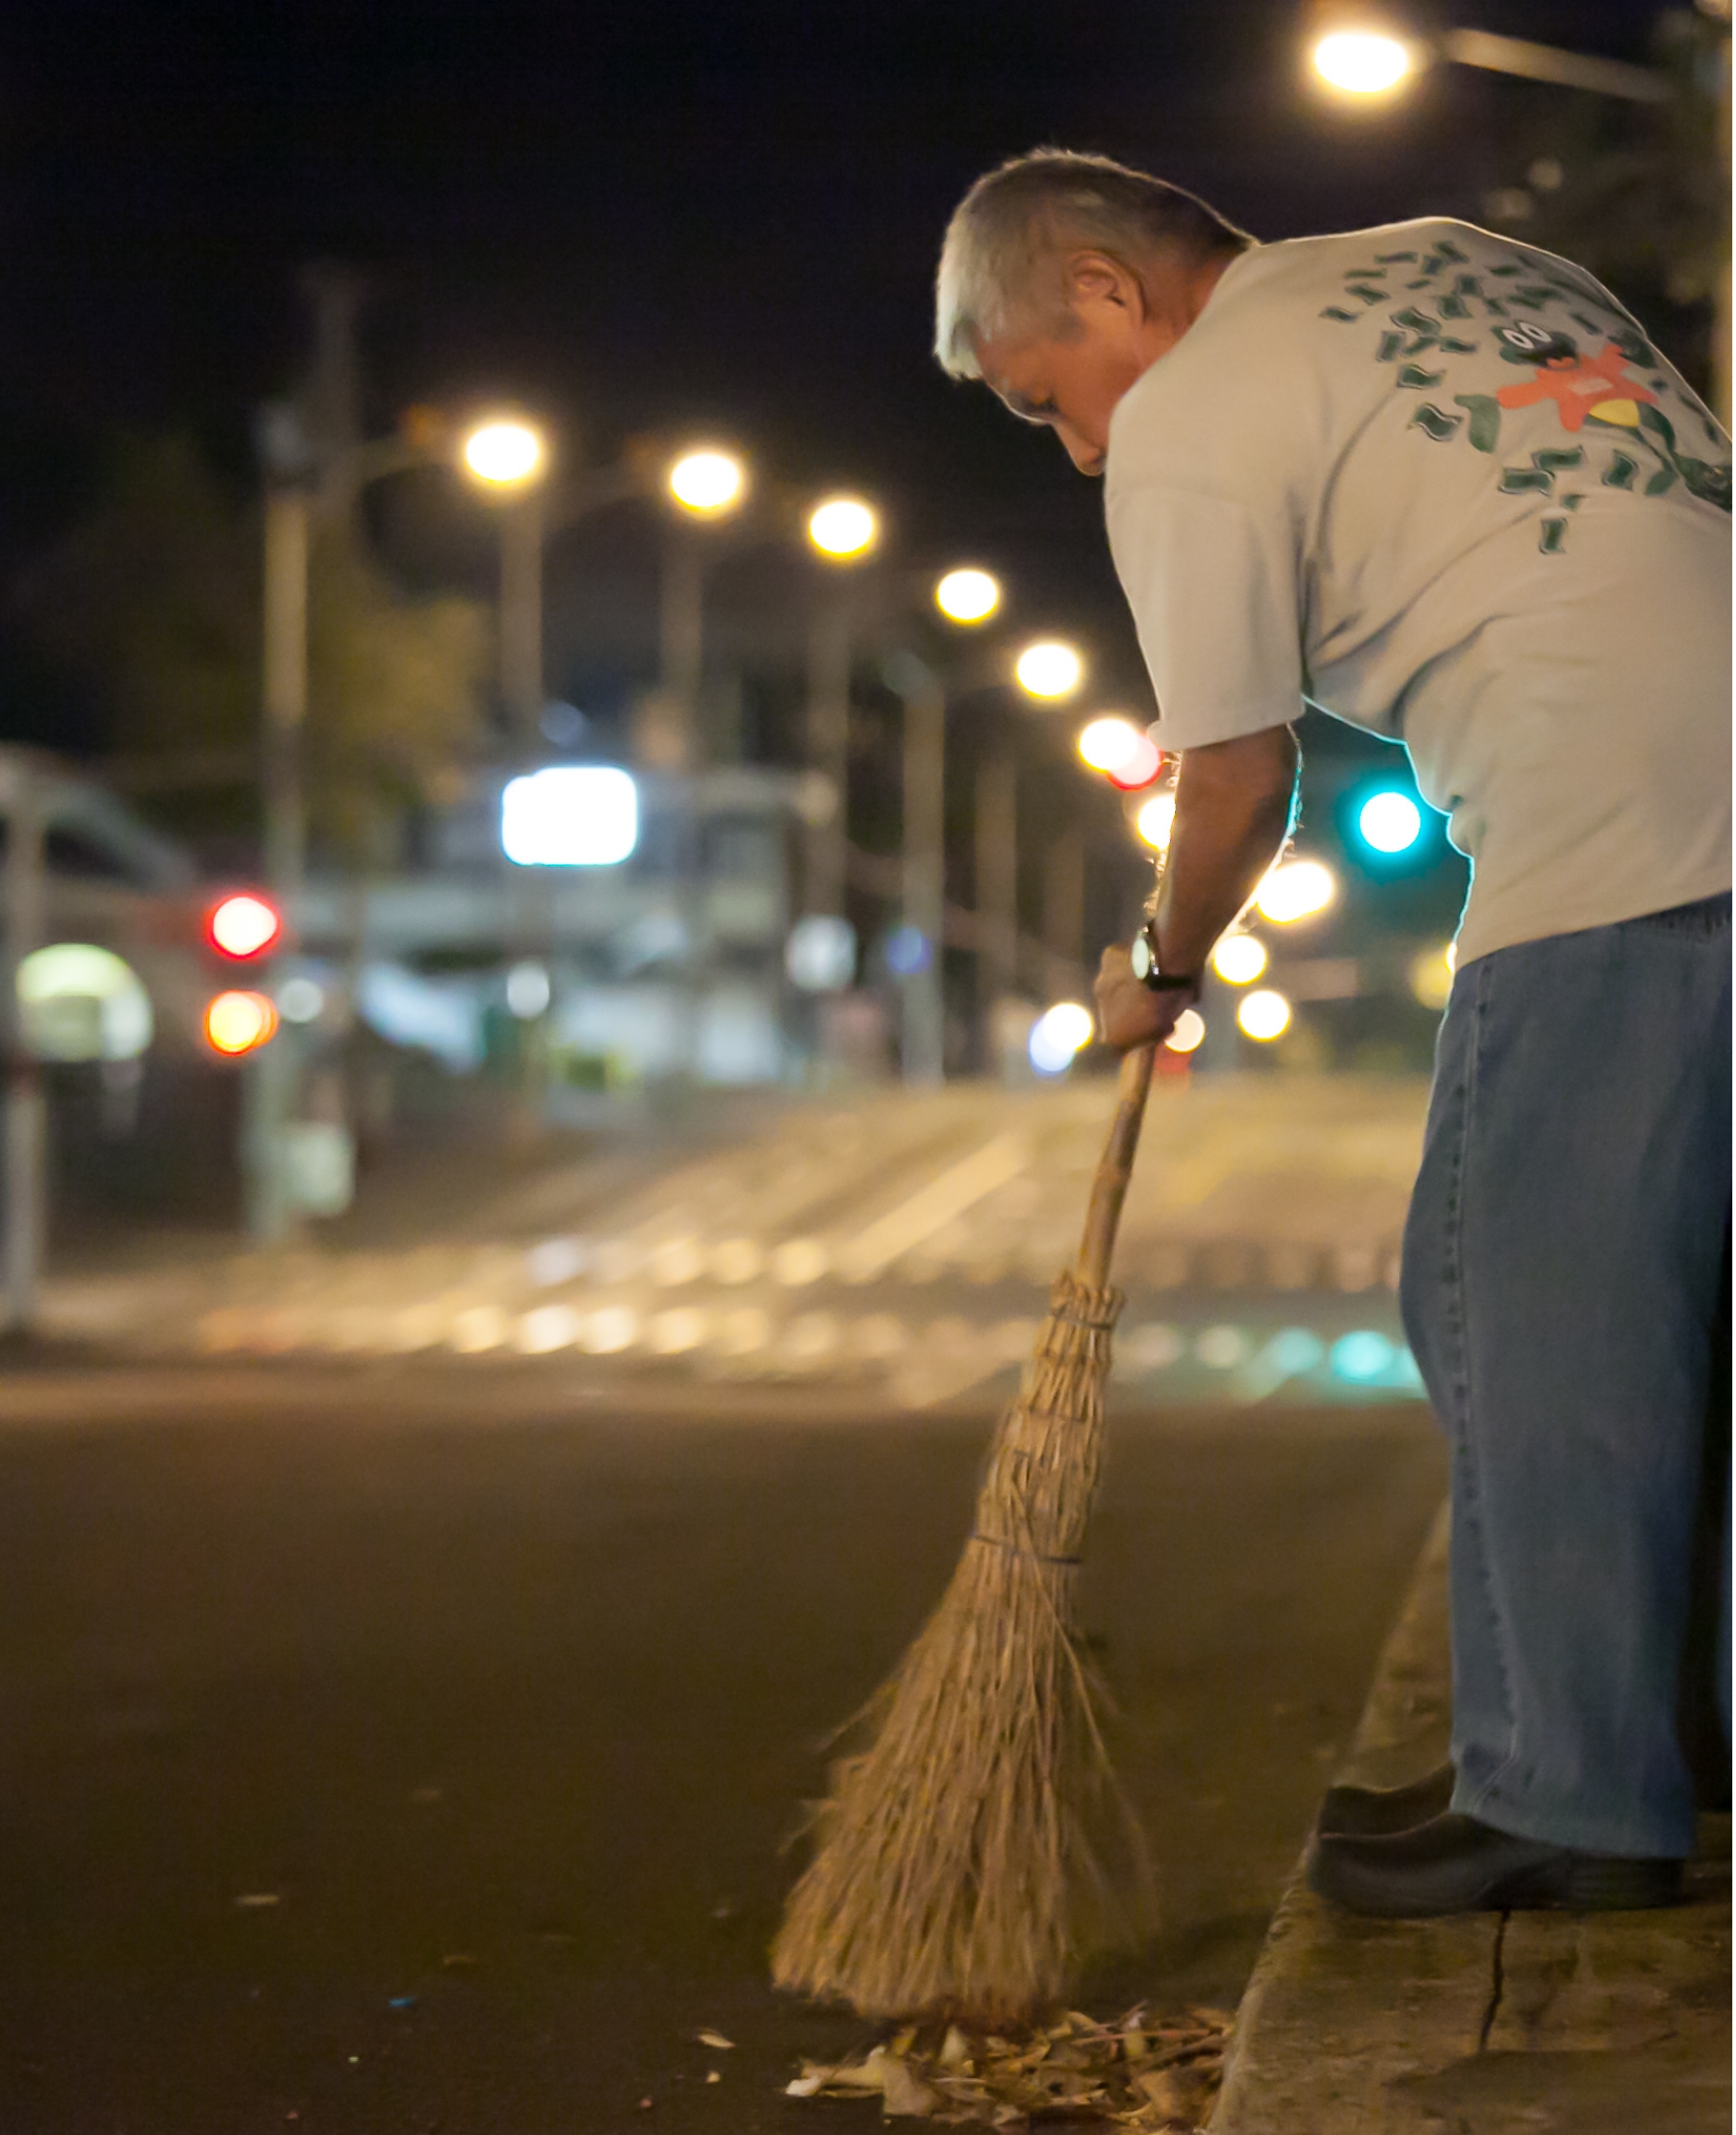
point(872, 1251)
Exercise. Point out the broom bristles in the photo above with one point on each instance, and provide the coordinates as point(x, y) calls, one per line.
point(955, 1870)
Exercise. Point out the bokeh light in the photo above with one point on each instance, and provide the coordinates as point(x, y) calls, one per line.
point(1051, 668)
point(1362, 63)
point(1264, 1015)
point(1057, 1035)
point(504, 452)
point(1389, 822)
point(967, 596)
point(1140, 767)
point(1156, 821)
point(1109, 742)
point(708, 481)
point(1295, 890)
point(240, 1023)
point(1431, 975)
point(244, 925)
point(843, 528)
point(1190, 1029)
point(1238, 958)
point(1362, 1355)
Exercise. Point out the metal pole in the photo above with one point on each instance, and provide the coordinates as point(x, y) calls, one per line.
point(829, 751)
point(997, 879)
point(681, 645)
point(925, 882)
point(1064, 911)
point(26, 1114)
point(285, 690)
point(521, 618)
point(269, 1076)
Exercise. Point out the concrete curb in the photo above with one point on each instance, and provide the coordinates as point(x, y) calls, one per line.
point(1528, 2023)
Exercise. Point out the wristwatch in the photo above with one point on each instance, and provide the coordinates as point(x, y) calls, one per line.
point(1144, 952)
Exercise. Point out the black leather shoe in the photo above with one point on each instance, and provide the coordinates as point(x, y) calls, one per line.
point(1378, 1812)
point(1455, 1864)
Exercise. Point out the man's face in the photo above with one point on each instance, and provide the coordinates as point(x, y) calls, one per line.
point(1071, 384)
point(1117, 324)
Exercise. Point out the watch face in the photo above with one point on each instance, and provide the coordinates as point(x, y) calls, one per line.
point(1141, 958)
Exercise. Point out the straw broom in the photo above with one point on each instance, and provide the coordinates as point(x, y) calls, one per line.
point(954, 1872)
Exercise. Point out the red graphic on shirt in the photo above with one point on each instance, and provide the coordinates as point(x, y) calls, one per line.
point(1580, 386)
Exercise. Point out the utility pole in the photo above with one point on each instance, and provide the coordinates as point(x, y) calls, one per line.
point(925, 864)
point(997, 872)
point(25, 1112)
point(521, 693)
point(829, 752)
point(680, 648)
point(1064, 911)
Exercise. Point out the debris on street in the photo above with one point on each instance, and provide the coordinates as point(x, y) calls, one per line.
point(1137, 2072)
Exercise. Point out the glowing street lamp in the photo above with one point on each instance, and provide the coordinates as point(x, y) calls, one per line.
point(1263, 1016)
point(843, 529)
point(1156, 821)
point(1295, 890)
point(1050, 669)
point(1189, 1033)
point(708, 482)
point(1238, 958)
point(1362, 62)
point(967, 596)
point(1108, 743)
point(504, 452)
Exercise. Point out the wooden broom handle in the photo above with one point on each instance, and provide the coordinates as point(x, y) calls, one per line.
point(1109, 1188)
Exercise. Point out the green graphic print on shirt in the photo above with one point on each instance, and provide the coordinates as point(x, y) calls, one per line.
point(1578, 351)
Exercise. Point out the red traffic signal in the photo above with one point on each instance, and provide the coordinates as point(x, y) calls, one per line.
point(244, 925)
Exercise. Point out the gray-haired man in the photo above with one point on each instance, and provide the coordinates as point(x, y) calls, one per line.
point(1440, 484)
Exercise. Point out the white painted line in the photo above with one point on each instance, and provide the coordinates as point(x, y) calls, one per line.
point(872, 1251)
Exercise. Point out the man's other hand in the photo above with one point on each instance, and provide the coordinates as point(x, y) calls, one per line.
point(1129, 1014)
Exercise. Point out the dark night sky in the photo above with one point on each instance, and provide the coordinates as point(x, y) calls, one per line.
point(647, 215)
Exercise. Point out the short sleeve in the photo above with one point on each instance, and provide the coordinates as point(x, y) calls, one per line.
point(1212, 589)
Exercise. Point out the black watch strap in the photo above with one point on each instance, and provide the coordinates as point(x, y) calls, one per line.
point(1146, 969)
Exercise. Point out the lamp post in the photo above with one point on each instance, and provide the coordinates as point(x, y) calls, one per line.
point(923, 899)
point(508, 457)
point(841, 530)
point(25, 1115)
point(704, 483)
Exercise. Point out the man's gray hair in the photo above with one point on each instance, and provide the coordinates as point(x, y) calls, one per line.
point(1001, 264)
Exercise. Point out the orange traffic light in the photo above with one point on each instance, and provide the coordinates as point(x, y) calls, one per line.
point(244, 925)
point(240, 1024)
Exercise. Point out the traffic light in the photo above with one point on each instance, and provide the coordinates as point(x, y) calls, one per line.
point(241, 927)
point(240, 1023)
point(244, 925)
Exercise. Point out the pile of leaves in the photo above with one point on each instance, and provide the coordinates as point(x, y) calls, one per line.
point(1136, 2073)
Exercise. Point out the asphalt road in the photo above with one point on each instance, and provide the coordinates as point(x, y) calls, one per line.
point(403, 1750)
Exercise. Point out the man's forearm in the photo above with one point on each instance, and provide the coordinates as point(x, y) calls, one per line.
point(1234, 808)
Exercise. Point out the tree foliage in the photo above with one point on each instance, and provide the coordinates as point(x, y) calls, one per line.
point(152, 605)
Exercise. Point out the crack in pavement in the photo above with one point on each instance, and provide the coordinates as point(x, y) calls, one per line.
point(1496, 1986)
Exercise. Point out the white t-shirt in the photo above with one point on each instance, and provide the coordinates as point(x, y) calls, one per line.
point(1439, 485)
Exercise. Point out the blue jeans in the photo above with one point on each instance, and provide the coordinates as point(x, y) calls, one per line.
point(1565, 1281)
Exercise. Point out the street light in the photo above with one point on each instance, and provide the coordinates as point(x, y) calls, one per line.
point(708, 482)
point(504, 452)
point(967, 596)
point(1050, 669)
point(1360, 55)
point(843, 529)
point(1363, 62)
point(1295, 890)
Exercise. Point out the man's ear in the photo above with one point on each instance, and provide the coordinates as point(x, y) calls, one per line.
point(1094, 279)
